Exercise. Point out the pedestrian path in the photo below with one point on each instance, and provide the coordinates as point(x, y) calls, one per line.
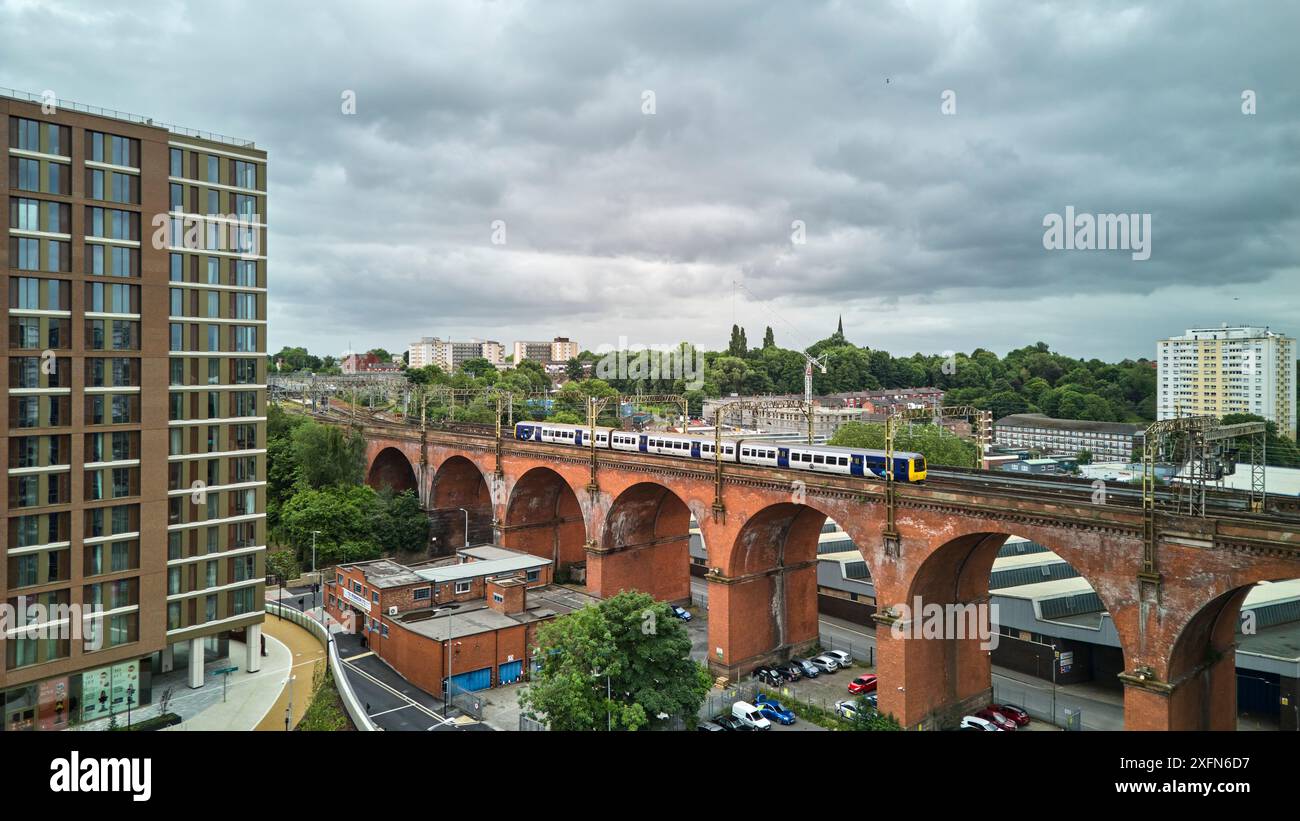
point(247, 697)
point(307, 654)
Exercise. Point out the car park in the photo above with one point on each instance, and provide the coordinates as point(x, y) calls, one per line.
point(731, 723)
point(825, 663)
point(680, 612)
point(769, 676)
point(1011, 711)
point(846, 709)
point(749, 715)
point(790, 671)
point(842, 658)
point(863, 684)
point(977, 723)
point(806, 667)
point(773, 710)
point(997, 719)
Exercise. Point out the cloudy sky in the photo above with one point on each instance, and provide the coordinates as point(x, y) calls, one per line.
point(644, 156)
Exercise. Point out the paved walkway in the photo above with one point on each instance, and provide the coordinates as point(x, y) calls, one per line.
point(307, 654)
point(248, 696)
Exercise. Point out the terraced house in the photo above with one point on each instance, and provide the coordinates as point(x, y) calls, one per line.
point(135, 267)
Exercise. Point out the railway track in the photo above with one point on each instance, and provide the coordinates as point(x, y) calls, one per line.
point(1064, 488)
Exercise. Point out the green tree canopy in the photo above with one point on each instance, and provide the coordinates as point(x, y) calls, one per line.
point(635, 642)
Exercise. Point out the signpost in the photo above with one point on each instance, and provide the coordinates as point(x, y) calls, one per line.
point(225, 672)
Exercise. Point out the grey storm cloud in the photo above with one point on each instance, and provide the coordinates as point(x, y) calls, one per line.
point(924, 230)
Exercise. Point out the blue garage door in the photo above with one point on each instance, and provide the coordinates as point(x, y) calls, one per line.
point(510, 672)
point(476, 680)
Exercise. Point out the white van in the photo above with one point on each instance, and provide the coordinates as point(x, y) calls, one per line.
point(748, 714)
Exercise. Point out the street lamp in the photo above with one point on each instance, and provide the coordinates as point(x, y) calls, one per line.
point(466, 512)
point(316, 588)
point(446, 695)
point(1056, 662)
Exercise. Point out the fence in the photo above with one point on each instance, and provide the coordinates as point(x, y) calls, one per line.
point(718, 702)
point(341, 683)
point(860, 649)
point(1039, 704)
point(527, 724)
point(468, 702)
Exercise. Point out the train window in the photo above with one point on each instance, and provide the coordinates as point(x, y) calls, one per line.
point(819, 459)
point(844, 460)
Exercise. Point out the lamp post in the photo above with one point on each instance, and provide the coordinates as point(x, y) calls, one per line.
point(466, 512)
point(315, 572)
point(1056, 662)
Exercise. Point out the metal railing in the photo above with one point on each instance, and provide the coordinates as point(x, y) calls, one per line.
point(350, 703)
point(44, 99)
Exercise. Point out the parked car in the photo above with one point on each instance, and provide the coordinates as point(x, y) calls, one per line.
point(842, 658)
point(791, 671)
point(680, 612)
point(1011, 711)
point(826, 664)
point(806, 667)
point(997, 719)
point(773, 710)
point(863, 684)
point(769, 676)
point(873, 700)
point(977, 723)
point(710, 727)
point(749, 715)
point(846, 709)
point(731, 723)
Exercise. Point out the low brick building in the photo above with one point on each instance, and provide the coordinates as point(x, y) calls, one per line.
point(473, 617)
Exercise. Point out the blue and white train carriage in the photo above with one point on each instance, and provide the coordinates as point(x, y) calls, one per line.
point(908, 467)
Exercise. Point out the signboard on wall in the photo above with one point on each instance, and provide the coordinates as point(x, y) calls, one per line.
point(358, 601)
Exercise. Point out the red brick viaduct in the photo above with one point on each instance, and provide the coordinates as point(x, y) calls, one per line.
point(1177, 631)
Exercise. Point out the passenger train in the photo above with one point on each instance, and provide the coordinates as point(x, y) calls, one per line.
point(908, 467)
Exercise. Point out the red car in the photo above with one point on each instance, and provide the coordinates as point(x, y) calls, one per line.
point(862, 684)
point(996, 718)
point(1011, 711)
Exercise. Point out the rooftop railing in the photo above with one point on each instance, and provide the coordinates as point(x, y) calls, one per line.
point(41, 99)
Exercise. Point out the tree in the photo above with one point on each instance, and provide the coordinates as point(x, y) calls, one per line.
point(384, 356)
point(628, 646)
point(737, 346)
point(1084, 457)
point(477, 367)
point(937, 445)
point(343, 515)
point(282, 563)
point(326, 455)
point(574, 368)
point(400, 524)
point(769, 339)
point(869, 719)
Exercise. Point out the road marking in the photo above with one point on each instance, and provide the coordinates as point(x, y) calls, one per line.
point(403, 696)
point(386, 712)
point(359, 656)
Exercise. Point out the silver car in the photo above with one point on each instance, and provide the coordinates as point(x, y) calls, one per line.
point(826, 664)
point(842, 658)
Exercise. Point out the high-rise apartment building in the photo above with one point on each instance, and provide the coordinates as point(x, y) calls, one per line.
point(135, 435)
point(448, 355)
point(1218, 371)
point(560, 349)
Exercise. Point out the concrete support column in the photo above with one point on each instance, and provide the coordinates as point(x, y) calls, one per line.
point(196, 663)
point(168, 660)
point(254, 648)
